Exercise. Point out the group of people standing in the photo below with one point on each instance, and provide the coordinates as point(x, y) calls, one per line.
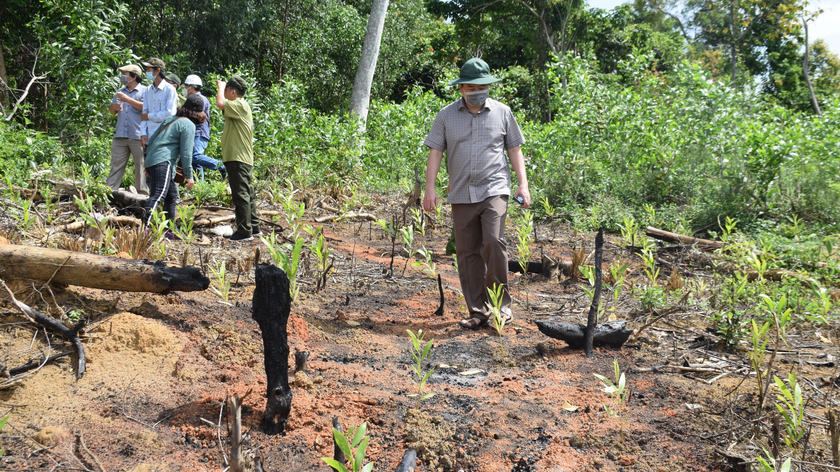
point(161, 127)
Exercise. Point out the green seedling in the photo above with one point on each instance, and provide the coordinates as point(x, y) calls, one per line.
point(727, 228)
point(221, 282)
point(769, 464)
point(75, 315)
point(427, 263)
point(290, 263)
point(548, 210)
point(792, 409)
point(822, 305)
point(495, 306)
point(630, 230)
point(420, 352)
point(524, 230)
point(589, 273)
point(618, 392)
point(419, 221)
point(88, 212)
point(407, 234)
point(27, 216)
point(324, 254)
point(651, 271)
point(758, 262)
point(2, 425)
point(186, 221)
point(356, 458)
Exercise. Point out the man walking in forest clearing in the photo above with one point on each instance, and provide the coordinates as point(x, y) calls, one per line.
point(238, 155)
point(192, 85)
point(127, 105)
point(475, 131)
point(159, 102)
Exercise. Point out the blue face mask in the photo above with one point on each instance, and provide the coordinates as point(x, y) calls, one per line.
point(150, 75)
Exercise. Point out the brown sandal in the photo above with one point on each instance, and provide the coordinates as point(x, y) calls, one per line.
point(472, 323)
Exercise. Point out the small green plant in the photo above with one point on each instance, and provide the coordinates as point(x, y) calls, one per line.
point(650, 211)
point(630, 230)
point(524, 229)
point(651, 271)
point(618, 392)
point(407, 234)
point(3, 425)
point(419, 220)
point(221, 282)
point(652, 297)
point(324, 254)
point(589, 273)
point(769, 464)
point(420, 352)
point(186, 221)
point(495, 306)
point(758, 262)
point(27, 216)
point(548, 210)
point(356, 458)
point(730, 326)
point(75, 315)
point(158, 225)
point(94, 190)
point(792, 409)
point(290, 263)
point(293, 211)
point(427, 263)
point(618, 272)
point(87, 211)
point(821, 306)
point(727, 228)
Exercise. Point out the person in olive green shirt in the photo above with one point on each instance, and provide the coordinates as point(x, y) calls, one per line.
point(170, 144)
point(238, 155)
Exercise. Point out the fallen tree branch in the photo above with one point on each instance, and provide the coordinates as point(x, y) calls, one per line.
point(72, 334)
point(36, 364)
point(704, 244)
point(347, 216)
point(111, 220)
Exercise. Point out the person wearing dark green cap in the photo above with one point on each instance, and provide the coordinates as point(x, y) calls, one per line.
point(175, 82)
point(238, 155)
point(475, 132)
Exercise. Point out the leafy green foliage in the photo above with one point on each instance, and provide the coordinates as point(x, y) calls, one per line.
point(357, 441)
point(792, 409)
point(618, 392)
point(290, 263)
point(420, 352)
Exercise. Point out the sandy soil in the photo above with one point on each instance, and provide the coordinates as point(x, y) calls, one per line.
point(160, 367)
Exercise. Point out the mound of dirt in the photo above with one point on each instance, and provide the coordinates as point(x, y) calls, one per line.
point(431, 437)
point(129, 332)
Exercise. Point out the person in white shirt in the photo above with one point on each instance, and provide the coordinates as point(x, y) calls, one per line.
point(160, 102)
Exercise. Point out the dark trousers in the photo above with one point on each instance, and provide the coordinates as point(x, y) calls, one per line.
point(240, 176)
point(481, 252)
point(162, 191)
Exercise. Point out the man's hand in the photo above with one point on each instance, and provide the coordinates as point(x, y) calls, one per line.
point(144, 116)
point(525, 194)
point(115, 108)
point(121, 96)
point(144, 140)
point(190, 183)
point(430, 200)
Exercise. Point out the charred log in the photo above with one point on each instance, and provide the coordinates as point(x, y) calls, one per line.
point(439, 311)
point(409, 461)
point(272, 305)
point(592, 319)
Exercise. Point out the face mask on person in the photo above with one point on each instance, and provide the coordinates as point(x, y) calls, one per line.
point(477, 98)
point(183, 92)
point(123, 79)
point(150, 75)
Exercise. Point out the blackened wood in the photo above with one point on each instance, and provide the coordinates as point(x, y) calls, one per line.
point(547, 269)
point(92, 270)
point(72, 334)
point(834, 432)
point(300, 360)
point(439, 311)
point(272, 305)
point(36, 364)
point(409, 461)
point(613, 334)
point(130, 202)
point(592, 320)
point(338, 454)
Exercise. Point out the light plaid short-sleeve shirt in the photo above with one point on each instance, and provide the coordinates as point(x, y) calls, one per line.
point(475, 149)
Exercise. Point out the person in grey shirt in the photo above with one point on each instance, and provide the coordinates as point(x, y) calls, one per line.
point(474, 132)
point(128, 105)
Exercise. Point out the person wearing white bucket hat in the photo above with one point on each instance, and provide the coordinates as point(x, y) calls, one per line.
point(475, 132)
point(193, 85)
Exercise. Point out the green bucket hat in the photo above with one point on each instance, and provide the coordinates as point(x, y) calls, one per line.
point(475, 71)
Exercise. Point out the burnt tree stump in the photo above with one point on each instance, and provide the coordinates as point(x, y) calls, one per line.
point(613, 334)
point(272, 305)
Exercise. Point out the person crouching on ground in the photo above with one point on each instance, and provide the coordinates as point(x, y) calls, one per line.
point(238, 156)
point(171, 143)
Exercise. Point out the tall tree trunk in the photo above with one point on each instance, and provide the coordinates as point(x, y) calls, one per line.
point(283, 41)
point(806, 73)
point(360, 97)
point(733, 49)
point(4, 96)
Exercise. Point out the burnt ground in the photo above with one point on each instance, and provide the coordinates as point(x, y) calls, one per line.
point(161, 366)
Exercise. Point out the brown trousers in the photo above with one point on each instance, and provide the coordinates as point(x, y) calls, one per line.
point(482, 252)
